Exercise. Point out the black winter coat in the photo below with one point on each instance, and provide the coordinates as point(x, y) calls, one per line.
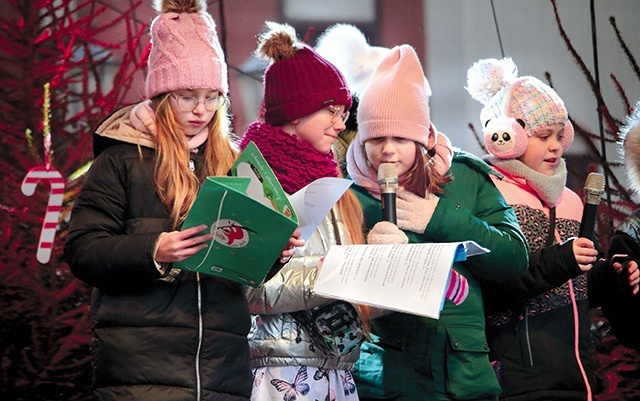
point(613, 293)
point(155, 339)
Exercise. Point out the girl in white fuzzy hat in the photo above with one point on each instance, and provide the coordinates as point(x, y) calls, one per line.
point(620, 305)
point(411, 357)
point(538, 325)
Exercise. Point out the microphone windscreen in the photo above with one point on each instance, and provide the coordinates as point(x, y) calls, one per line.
point(387, 172)
point(594, 183)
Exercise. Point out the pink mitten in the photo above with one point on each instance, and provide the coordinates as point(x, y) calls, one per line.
point(385, 232)
point(143, 118)
point(458, 288)
point(413, 211)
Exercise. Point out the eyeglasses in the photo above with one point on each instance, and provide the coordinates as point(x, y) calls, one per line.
point(338, 114)
point(189, 103)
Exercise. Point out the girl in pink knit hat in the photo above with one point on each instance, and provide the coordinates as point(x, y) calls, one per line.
point(411, 357)
point(306, 103)
point(161, 333)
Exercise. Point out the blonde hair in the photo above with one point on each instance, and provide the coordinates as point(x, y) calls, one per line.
point(176, 185)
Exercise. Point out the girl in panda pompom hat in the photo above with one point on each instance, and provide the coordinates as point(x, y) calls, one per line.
point(537, 321)
point(620, 304)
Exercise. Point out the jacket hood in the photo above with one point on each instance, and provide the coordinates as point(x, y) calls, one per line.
point(117, 129)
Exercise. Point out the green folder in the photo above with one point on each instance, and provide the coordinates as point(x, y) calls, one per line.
point(250, 216)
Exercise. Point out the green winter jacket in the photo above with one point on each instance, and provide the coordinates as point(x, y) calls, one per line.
point(417, 358)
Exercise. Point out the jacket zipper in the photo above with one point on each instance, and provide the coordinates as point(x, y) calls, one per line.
point(200, 335)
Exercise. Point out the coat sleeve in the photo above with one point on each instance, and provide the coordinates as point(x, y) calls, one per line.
point(98, 249)
point(549, 268)
point(476, 211)
point(289, 290)
point(608, 290)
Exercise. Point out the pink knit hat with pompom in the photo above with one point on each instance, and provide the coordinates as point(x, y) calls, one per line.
point(185, 52)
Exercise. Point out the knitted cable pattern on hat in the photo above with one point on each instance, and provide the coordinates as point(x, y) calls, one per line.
point(495, 83)
point(185, 51)
point(298, 81)
point(295, 163)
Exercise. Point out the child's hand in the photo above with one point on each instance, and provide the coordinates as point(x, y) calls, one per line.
point(632, 273)
point(294, 242)
point(385, 232)
point(176, 246)
point(585, 253)
point(414, 212)
point(143, 118)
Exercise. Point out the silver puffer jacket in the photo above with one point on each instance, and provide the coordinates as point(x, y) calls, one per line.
point(276, 338)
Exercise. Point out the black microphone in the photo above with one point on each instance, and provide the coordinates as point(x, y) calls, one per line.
point(593, 190)
point(388, 181)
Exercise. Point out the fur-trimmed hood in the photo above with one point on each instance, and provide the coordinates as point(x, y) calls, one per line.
point(630, 137)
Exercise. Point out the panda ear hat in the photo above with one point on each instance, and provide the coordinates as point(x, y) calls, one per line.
point(346, 47)
point(495, 83)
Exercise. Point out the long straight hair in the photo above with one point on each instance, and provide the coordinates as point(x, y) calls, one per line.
point(423, 177)
point(176, 185)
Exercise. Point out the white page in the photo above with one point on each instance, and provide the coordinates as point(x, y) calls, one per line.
point(408, 278)
point(313, 202)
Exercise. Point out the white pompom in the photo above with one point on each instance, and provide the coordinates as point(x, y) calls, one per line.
point(346, 47)
point(486, 77)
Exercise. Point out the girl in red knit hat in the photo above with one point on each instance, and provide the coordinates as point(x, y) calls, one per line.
point(306, 103)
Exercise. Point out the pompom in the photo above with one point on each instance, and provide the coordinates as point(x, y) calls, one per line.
point(278, 43)
point(179, 6)
point(630, 137)
point(346, 47)
point(486, 77)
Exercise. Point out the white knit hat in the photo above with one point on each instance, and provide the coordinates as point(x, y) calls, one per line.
point(514, 108)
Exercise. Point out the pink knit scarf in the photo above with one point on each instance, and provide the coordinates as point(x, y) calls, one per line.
point(294, 162)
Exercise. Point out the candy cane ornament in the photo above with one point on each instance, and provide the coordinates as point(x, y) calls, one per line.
point(54, 206)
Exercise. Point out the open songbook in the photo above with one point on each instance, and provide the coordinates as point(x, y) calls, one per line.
point(409, 278)
point(252, 218)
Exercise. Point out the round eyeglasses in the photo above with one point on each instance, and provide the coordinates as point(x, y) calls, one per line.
point(338, 114)
point(189, 103)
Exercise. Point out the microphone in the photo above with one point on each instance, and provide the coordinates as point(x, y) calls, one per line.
point(388, 181)
point(593, 190)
